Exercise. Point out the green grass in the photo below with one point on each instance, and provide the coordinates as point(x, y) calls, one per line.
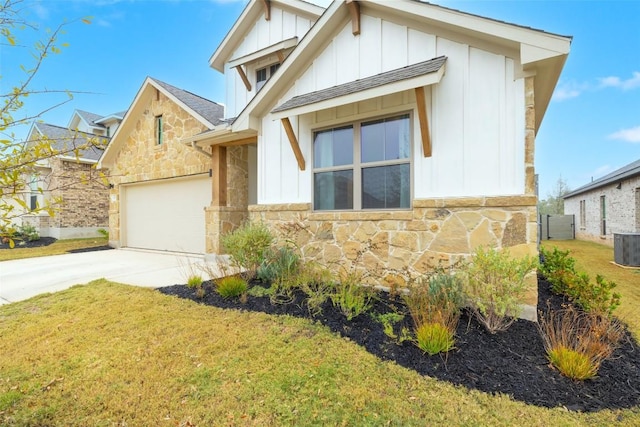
point(106, 354)
point(595, 259)
point(57, 248)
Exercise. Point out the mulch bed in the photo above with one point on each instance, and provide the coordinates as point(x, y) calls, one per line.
point(511, 362)
point(43, 241)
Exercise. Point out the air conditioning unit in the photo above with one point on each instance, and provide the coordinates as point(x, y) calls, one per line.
point(626, 249)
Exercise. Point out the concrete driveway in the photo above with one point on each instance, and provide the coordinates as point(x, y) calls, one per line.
point(25, 278)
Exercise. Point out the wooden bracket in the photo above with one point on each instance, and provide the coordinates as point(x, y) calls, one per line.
point(267, 9)
point(424, 121)
point(294, 142)
point(354, 11)
point(244, 78)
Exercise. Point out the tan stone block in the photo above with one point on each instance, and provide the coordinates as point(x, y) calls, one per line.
point(324, 232)
point(380, 245)
point(469, 219)
point(372, 265)
point(523, 250)
point(404, 239)
point(515, 232)
point(498, 230)
point(351, 249)
point(416, 226)
point(394, 281)
point(342, 233)
point(332, 253)
point(399, 259)
point(434, 227)
point(452, 237)
point(365, 231)
point(439, 214)
point(495, 214)
point(430, 260)
point(425, 203)
point(388, 225)
point(510, 201)
point(482, 236)
point(530, 180)
point(463, 202)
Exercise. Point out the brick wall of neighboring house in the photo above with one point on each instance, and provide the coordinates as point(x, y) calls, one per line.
point(85, 196)
point(140, 159)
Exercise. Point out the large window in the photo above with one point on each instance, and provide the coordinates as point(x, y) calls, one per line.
point(364, 165)
point(264, 74)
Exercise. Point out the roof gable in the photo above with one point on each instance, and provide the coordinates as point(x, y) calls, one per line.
point(254, 11)
point(207, 112)
point(67, 140)
point(540, 54)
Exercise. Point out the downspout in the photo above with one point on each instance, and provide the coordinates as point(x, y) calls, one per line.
point(200, 150)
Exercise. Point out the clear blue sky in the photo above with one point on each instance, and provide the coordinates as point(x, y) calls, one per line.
point(591, 127)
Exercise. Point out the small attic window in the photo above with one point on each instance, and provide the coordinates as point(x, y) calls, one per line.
point(158, 129)
point(264, 74)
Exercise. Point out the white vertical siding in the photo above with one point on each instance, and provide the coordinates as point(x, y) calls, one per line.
point(476, 114)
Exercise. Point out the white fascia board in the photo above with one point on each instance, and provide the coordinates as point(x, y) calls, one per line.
point(107, 119)
point(530, 54)
point(181, 104)
point(269, 50)
point(78, 160)
point(472, 23)
point(425, 80)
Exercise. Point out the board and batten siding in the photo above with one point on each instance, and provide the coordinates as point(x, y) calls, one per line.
point(282, 26)
point(476, 115)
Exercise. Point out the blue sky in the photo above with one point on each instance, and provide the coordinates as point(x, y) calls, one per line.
point(591, 128)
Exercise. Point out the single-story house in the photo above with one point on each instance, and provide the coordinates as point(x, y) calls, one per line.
point(393, 136)
point(608, 205)
point(68, 179)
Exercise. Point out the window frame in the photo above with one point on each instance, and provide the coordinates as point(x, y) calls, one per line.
point(269, 71)
point(357, 166)
point(158, 130)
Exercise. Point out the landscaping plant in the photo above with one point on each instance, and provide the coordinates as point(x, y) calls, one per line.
point(231, 287)
point(434, 305)
point(279, 263)
point(577, 342)
point(249, 246)
point(495, 285)
point(195, 282)
point(350, 296)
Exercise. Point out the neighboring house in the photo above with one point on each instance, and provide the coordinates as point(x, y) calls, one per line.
point(607, 205)
point(70, 177)
point(396, 135)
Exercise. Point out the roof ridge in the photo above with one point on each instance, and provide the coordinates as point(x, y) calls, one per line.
point(184, 90)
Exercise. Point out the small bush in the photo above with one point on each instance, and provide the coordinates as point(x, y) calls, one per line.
point(351, 297)
point(317, 283)
point(259, 291)
point(389, 322)
point(495, 287)
point(249, 245)
point(434, 338)
point(283, 262)
point(104, 233)
point(194, 281)
point(28, 233)
point(577, 342)
point(556, 267)
point(231, 287)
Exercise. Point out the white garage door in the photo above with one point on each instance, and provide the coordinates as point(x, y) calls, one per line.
point(166, 215)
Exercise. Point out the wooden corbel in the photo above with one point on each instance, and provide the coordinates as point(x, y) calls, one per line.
point(244, 78)
point(354, 11)
point(424, 121)
point(267, 9)
point(294, 142)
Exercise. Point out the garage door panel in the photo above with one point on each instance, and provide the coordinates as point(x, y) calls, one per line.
point(167, 215)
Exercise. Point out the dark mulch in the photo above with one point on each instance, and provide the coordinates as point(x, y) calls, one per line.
point(511, 362)
point(93, 249)
point(43, 241)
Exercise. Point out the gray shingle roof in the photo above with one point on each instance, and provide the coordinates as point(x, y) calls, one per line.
point(629, 171)
point(393, 76)
point(90, 118)
point(211, 111)
point(65, 140)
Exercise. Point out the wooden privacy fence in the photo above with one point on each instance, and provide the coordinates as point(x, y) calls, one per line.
point(557, 227)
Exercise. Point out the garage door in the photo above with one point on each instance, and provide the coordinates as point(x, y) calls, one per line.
point(166, 215)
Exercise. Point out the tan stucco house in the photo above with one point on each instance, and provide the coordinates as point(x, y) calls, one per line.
point(396, 134)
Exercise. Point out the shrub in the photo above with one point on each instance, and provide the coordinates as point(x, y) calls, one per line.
point(389, 322)
point(249, 245)
point(194, 281)
point(557, 267)
point(577, 342)
point(494, 287)
point(231, 287)
point(283, 262)
point(351, 297)
point(434, 338)
point(104, 233)
point(317, 283)
point(435, 307)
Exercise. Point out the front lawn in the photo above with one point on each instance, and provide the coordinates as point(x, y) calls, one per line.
point(109, 354)
point(57, 248)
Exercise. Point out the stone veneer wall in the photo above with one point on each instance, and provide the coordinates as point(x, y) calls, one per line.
point(223, 219)
point(140, 159)
point(399, 245)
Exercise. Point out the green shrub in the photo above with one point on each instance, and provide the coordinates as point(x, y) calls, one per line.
point(259, 291)
point(559, 269)
point(194, 281)
point(104, 233)
point(231, 287)
point(28, 233)
point(495, 285)
point(577, 342)
point(351, 297)
point(389, 322)
point(434, 338)
point(283, 262)
point(249, 245)
point(317, 283)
